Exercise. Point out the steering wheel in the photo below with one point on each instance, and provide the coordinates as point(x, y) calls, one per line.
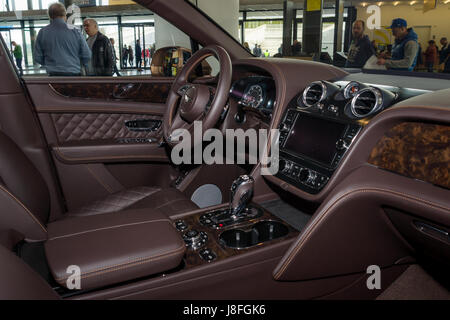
point(188, 102)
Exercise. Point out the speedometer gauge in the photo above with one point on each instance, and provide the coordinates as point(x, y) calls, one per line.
point(351, 89)
point(254, 96)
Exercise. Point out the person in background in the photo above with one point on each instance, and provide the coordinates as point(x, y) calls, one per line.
point(444, 55)
point(115, 70)
point(102, 62)
point(146, 57)
point(18, 55)
point(255, 50)
point(247, 47)
point(260, 53)
point(361, 49)
point(296, 48)
point(431, 55)
point(125, 56)
point(138, 52)
point(130, 56)
point(266, 54)
point(60, 47)
point(405, 50)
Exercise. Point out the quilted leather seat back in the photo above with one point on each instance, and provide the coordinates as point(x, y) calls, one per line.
point(21, 182)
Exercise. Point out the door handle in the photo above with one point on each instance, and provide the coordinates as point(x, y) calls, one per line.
point(143, 125)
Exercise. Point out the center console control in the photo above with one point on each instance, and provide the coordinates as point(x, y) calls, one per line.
point(222, 218)
point(195, 239)
point(312, 146)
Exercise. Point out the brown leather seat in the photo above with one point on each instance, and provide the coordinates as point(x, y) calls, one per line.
point(25, 199)
point(170, 201)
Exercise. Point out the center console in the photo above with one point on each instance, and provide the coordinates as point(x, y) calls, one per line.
point(230, 230)
point(312, 145)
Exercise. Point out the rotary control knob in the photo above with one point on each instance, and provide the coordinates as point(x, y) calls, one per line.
point(307, 176)
point(195, 239)
point(303, 175)
point(284, 128)
point(342, 144)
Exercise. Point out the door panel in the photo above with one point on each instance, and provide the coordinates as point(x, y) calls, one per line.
point(94, 124)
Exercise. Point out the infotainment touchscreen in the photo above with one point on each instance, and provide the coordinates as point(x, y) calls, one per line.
point(315, 138)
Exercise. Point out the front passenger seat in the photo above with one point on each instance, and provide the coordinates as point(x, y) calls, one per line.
point(25, 199)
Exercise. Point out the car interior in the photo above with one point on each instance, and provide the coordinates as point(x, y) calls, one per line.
point(86, 179)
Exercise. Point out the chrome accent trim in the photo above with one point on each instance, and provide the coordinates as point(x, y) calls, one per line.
point(322, 97)
point(375, 108)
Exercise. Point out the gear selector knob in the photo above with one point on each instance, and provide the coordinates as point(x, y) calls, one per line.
point(241, 193)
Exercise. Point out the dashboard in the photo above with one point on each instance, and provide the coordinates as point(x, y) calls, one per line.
point(256, 93)
point(321, 124)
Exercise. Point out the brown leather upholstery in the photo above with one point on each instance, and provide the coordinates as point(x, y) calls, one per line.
point(97, 126)
point(170, 201)
point(19, 281)
point(96, 245)
point(25, 200)
point(21, 178)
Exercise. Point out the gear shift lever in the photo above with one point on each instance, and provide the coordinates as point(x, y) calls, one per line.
point(241, 193)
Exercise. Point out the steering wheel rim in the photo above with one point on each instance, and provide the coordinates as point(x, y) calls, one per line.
point(182, 114)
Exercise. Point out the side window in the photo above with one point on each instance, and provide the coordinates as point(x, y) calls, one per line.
point(97, 40)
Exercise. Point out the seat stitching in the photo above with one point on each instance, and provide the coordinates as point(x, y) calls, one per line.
point(24, 207)
point(320, 219)
point(107, 228)
point(125, 265)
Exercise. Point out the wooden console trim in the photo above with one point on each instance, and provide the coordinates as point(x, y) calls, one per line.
point(415, 150)
point(192, 257)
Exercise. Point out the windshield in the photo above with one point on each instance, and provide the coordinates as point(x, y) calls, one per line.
point(386, 36)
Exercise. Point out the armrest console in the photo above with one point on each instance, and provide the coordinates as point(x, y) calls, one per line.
point(112, 248)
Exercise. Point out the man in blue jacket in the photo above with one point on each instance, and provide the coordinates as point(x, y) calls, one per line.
point(60, 47)
point(405, 49)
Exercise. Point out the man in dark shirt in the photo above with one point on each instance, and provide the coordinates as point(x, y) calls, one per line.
point(102, 62)
point(138, 52)
point(361, 49)
point(444, 55)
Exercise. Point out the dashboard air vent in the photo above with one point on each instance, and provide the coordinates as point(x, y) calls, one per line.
point(314, 93)
point(366, 102)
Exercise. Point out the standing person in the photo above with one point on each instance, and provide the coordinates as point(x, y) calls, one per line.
point(255, 50)
point(60, 47)
point(266, 54)
point(247, 47)
point(130, 56)
point(430, 55)
point(296, 48)
point(102, 62)
point(147, 57)
point(260, 53)
point(405, 50)
point(115, 70)
point(125, 56)
point(361, 49)
point(138, 52)
point(444, 55)
point(18, 55)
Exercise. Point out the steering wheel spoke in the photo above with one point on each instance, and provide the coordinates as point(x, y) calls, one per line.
point(183, 89)
point(199, 101)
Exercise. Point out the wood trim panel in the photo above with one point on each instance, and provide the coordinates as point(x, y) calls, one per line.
point(137, 92)
point(416, 150)
point(192, 257)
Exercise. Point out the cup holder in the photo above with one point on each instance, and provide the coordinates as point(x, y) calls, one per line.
point(259, 233)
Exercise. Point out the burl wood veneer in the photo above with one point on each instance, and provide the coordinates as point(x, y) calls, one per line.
point(416, 150)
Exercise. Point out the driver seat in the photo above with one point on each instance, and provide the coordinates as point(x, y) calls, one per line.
point(25, 199)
